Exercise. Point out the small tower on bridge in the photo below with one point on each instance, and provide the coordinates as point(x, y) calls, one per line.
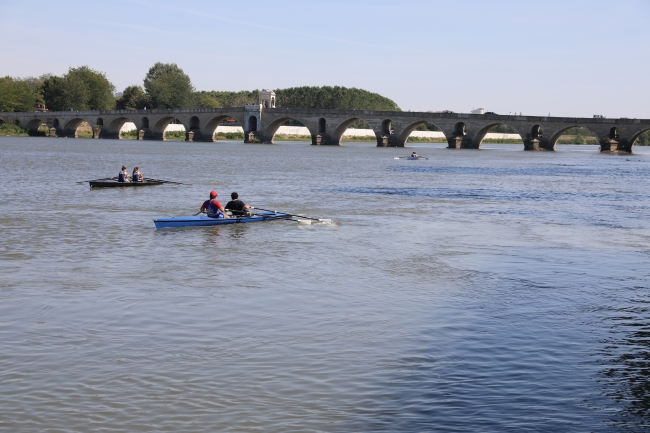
point(267, 98)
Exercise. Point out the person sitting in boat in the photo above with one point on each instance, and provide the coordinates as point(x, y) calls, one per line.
point(213, 208)
point(123, 176)
point(137, 176)
point(414, 155)
point(236, 206)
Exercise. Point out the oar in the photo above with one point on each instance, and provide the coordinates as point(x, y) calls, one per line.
point(294, 215)
point(407, 157)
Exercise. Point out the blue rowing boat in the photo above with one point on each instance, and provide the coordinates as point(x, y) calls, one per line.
point(203, 221)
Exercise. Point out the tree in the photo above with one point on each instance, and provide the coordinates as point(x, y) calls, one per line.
point(80, 89)
point(206, 100)
point(19, 94)
point(337, 97)
point(133, 98)
point(167, 86)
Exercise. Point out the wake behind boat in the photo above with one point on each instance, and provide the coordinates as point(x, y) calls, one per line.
point(111, 182)
point(203, 221)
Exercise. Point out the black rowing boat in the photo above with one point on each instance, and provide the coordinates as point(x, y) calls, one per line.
point(114, 183)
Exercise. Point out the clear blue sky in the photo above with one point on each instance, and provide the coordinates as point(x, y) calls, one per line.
point(569, 58)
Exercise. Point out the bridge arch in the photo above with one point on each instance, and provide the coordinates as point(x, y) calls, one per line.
point(114, 129)
point(480, 135)
point(211, 126)
point(160, 127)
point(408, 130)
point(270, 130)
point(337, 136)
point(71, 127)
point(34, 124)
point(555, 136)
point(636, 136)
point(322, 125)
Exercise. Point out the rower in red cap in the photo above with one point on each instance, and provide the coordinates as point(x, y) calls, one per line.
point(212, 207)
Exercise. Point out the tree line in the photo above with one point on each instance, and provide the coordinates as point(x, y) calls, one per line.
point(165, 85)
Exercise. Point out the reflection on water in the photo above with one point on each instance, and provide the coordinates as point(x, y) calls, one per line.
point(625, 358)
point(494, 291)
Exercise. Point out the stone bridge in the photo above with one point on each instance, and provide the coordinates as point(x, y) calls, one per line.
point(392, 128)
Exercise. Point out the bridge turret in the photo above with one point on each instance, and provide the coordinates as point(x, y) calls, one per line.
point(267, 98)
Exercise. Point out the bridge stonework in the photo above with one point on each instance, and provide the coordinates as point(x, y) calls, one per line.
point(391, 128)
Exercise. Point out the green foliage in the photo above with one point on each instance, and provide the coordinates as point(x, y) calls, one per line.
point(168, 86)
point(232, 99)
point(133, 98)
point(19, 94)
point(80, 89)
point(644, 139)
point(206, 100)
point(427, 127)
point(129, 135)
point(11, 129)
point(230, 135)
point(175, 135)
point(503, 129)
point(337, 97)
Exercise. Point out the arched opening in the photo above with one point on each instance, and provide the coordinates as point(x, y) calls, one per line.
point(353, 130)
point(252, 123)
point(99, 122)
point(78, 128)
point(387, 127)
point(55, 123)
point(498, 133)
point(613, 133)
point(222, 128)
point(169, 128)
point(460, 129)
point(286, 129)
point(145, 123)
point(120, 128)
point(37, 127)
point(195, 123)
point(17, 122)
point(536, 131)
point(641, 138)
point(2, 121)
point(322, 126)
point(578, 135)
point(422, 131)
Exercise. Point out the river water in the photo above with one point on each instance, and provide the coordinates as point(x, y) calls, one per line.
point(494, 290)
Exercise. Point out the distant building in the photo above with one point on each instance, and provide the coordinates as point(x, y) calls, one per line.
point(267, 98)
point(479, 111)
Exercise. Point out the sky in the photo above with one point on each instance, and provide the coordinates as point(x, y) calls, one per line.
point(564, 58)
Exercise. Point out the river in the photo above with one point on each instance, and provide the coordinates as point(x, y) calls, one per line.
point(494, 290)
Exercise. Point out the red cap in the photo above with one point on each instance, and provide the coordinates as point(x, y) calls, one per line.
point(213, 193)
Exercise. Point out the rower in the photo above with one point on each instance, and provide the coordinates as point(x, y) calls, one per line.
point(213, 208)
point(414, 155)
point(236, 206)
point(123, 176)
point(137, 176)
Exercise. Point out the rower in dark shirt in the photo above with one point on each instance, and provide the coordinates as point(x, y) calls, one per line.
point(236, 206)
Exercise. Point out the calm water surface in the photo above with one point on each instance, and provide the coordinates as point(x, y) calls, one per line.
point(494, 290)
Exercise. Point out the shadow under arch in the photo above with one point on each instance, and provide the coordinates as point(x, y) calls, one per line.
point(114, 129)
point(211, 126)
point(272, 128)
point(480, 135)
point(159, 128)
point(71, 127)
point(337, 136)
point(408, 130)
point(34, 124)
point(557, 134)
point(635, 137)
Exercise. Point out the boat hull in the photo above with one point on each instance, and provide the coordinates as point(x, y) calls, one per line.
point(204, 221)
point(112, 183)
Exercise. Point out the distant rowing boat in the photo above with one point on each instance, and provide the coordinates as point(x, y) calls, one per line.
point(113, 183)
point(203, 221)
